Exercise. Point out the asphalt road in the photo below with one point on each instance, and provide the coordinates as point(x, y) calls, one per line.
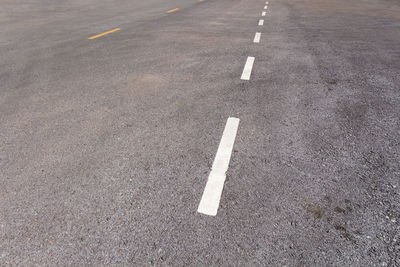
point(106, 144)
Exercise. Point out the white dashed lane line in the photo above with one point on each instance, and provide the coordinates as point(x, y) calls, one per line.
point(247, 68)
point(257, 37)
point(209, 202)
point(211, 197)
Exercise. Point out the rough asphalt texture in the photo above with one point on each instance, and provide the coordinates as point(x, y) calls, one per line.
point(106, 144)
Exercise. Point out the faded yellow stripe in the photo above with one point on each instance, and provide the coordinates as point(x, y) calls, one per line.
point(104, 33)
point(172, 10)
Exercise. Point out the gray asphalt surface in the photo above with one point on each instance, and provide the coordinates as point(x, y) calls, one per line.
point(106, 144)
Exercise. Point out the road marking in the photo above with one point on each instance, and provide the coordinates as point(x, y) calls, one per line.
point(265, 7)
point(263, 13)
point(247, 68)
point(172, 10)
point(260, 22)
point(104, 33)
point(257, 37)
point(209, 202)
point(200, 0)
point(266, 3)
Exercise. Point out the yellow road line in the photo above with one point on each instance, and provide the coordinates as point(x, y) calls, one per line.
point(172, 10)
point(104, 33)
point(200, 0)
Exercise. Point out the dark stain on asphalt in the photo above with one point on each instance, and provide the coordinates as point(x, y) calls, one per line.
point(315, 210)
point(340, 228)
point(340, 210)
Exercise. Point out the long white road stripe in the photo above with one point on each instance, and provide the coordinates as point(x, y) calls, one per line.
point(265, 7)
point(209, 202)
point(247, 68)
point(257, 37)
point(263, 13)
point(260, 22)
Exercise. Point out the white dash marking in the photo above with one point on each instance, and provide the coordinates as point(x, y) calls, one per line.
point(265, 7)
point(209, 202)
point(266, 3)
point(260, 22)
point(247, 68)
point(257, 37)
point(263, 13)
